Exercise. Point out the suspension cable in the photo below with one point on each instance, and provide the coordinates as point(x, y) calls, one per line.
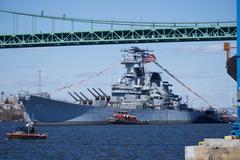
point(125, 23)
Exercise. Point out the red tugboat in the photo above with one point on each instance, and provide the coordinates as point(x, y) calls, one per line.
point(228, 118)
point(122, 117)
point(26, 132)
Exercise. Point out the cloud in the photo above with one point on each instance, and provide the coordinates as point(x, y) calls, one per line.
point(203, 73)
point(210, 48)
point(19, 67)
point(84, 74)
point(5, 82)
point(90, 74)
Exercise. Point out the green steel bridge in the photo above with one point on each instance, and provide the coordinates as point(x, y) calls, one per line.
point(133, 32)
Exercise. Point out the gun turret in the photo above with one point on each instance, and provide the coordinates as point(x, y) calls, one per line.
point(90, 102)
point(102, 96)
point(73, 96)
point(107, 97)
point(96, 97)
point(83, 100)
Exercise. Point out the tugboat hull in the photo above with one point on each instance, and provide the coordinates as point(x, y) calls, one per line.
point(25, 136)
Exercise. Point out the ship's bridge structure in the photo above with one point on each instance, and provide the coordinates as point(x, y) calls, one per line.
point(100, 32)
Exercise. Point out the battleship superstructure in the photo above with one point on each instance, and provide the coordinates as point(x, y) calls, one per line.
point(139, 92)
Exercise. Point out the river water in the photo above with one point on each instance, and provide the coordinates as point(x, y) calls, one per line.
point(128, 142)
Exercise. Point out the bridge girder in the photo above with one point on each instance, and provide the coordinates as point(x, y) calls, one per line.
point(217, 32)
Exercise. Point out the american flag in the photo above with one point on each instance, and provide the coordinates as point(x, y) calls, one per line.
point(149, 58)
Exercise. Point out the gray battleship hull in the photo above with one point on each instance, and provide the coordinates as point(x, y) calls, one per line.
point(48, 111)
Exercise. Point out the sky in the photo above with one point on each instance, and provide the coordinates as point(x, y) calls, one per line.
point(201, 65)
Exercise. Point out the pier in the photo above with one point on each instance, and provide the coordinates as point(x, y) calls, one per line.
point(214, 148)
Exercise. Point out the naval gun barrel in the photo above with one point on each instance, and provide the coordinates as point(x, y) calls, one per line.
point(78, 96)
point(73, 96)
point(90, 102)
point(102, 96)
point(108, 97)
point(96, 97)
point(83, 100)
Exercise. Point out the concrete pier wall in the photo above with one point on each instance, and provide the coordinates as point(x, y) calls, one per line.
point(214, 149)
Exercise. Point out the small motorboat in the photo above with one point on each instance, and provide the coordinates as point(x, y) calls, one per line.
point(122, 117)
point(26, 132)
point(16, 135)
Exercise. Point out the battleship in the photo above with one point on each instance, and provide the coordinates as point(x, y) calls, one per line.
point(139, 92)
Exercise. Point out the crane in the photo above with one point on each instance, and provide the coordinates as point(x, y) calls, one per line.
point(227, 48)
point(233, 71)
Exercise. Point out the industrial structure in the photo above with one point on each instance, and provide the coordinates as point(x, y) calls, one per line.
point(236, 127)
point(232, 69)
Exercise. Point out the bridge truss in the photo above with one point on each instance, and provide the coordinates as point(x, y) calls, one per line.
point(135, 32)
